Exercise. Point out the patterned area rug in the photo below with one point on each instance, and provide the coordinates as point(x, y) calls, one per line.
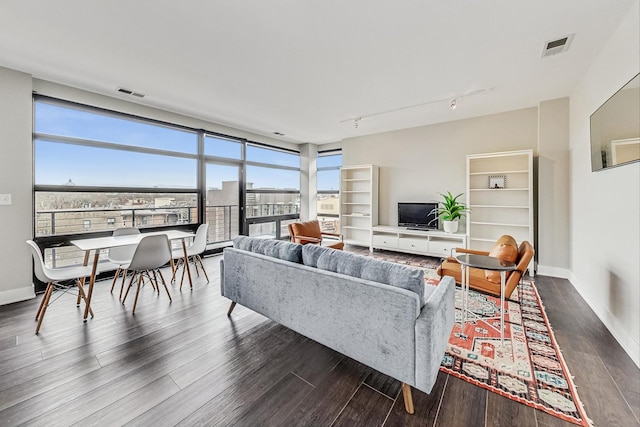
point(528, 367)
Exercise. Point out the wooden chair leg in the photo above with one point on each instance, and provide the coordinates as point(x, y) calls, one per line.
point(135, 302)
point(124, 278)
point(115, 278)
point(47, 297)
point(165, 285)
point(408, 398)
point(44, 298)
point(133, 276)
point(231, 307)
point(175, 267)
point(155, 280)
point(184, 270)
point(83, 294)
point(202, 265)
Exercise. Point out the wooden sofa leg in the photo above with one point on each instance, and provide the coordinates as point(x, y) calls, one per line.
point(231, 307)
point(408, 399)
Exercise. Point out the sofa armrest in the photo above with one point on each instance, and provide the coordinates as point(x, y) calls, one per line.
point(433, 329)
point(470, 251)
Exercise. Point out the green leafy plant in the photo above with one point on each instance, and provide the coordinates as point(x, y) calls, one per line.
point(451, 209)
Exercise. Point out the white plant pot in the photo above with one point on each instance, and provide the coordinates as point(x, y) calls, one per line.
point(450, 226)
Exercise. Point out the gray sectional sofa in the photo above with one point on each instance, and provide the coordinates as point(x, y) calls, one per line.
point(378, 313)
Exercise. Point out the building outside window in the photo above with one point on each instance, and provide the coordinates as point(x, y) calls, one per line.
point(328, 189)
point(272, 190)
point(96, 170)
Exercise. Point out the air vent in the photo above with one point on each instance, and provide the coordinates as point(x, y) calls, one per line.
point(554, 47)
point(278, 133)
point(130, 92)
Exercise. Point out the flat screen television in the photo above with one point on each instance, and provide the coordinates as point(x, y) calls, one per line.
point(417, 216)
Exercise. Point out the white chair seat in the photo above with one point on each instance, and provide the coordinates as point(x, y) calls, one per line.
point(68, 273)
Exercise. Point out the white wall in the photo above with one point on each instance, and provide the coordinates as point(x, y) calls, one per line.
point(16, 175)
point(605, 205)
point(308, 181)
point(418, 163)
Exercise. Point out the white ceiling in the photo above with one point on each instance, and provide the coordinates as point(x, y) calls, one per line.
point(300, 67)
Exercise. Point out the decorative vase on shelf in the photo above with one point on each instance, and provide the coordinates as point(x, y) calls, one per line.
point(450, 226)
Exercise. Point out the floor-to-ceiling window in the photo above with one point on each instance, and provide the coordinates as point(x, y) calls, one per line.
point(224, 189)
point(95, 171)
point(98, 170)
point(328, 189)
point(272, 190)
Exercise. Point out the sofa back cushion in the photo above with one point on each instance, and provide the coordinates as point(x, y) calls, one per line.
point(274, 248)
point(505, 249)
point(369, 269)
point(311, 254)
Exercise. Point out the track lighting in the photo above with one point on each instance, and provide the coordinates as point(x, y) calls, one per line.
point(453, 103)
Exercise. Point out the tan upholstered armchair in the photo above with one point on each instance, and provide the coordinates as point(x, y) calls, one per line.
point(309, 232)
point(489, 281)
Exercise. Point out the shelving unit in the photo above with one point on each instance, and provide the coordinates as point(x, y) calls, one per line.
point(498, 211)
point(358, 203)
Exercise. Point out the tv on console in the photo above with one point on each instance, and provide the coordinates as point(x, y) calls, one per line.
point(419, 216)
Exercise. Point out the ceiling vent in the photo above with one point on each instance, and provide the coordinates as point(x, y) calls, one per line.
point(130, 92)
point(554, 47)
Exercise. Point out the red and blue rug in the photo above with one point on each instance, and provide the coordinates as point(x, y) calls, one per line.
point(527, 367)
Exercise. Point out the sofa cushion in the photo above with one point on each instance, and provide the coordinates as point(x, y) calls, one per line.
point(311, 253)
point(505, 249)
point(274, 248)
point(374, 270)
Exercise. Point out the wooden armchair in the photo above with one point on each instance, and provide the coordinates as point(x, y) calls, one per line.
point(487, 281)
point(309, 232)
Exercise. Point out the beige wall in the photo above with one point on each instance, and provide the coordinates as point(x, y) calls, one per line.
point(418, 163)
point(16, 176)
point(553, 191)
point(605, 205)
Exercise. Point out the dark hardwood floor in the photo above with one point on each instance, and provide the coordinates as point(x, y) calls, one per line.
point(186, 364)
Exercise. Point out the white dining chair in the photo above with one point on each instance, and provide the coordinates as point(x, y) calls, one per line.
point(52, 277)
point(198, 246)
point(152, 253)
point(122, 255)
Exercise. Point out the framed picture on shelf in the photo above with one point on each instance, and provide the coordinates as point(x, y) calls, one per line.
point(497, 181)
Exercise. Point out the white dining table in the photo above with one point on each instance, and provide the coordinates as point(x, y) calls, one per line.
point(97, 244)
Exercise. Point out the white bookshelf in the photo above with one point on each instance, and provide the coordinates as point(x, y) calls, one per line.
point(358, 203)
point(498, 211)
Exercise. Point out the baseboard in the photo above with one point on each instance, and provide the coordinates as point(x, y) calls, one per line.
point(15, 295)
point(630, 346)
point(545, 270)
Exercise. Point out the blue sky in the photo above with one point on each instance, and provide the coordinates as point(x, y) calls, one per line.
point(57, 163)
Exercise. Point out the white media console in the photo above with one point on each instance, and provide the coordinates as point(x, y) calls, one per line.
point(431, 243)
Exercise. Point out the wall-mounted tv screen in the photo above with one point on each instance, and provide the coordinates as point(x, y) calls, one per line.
point(417, 215)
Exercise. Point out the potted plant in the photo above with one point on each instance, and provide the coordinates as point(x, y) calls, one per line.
point(450, 211)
